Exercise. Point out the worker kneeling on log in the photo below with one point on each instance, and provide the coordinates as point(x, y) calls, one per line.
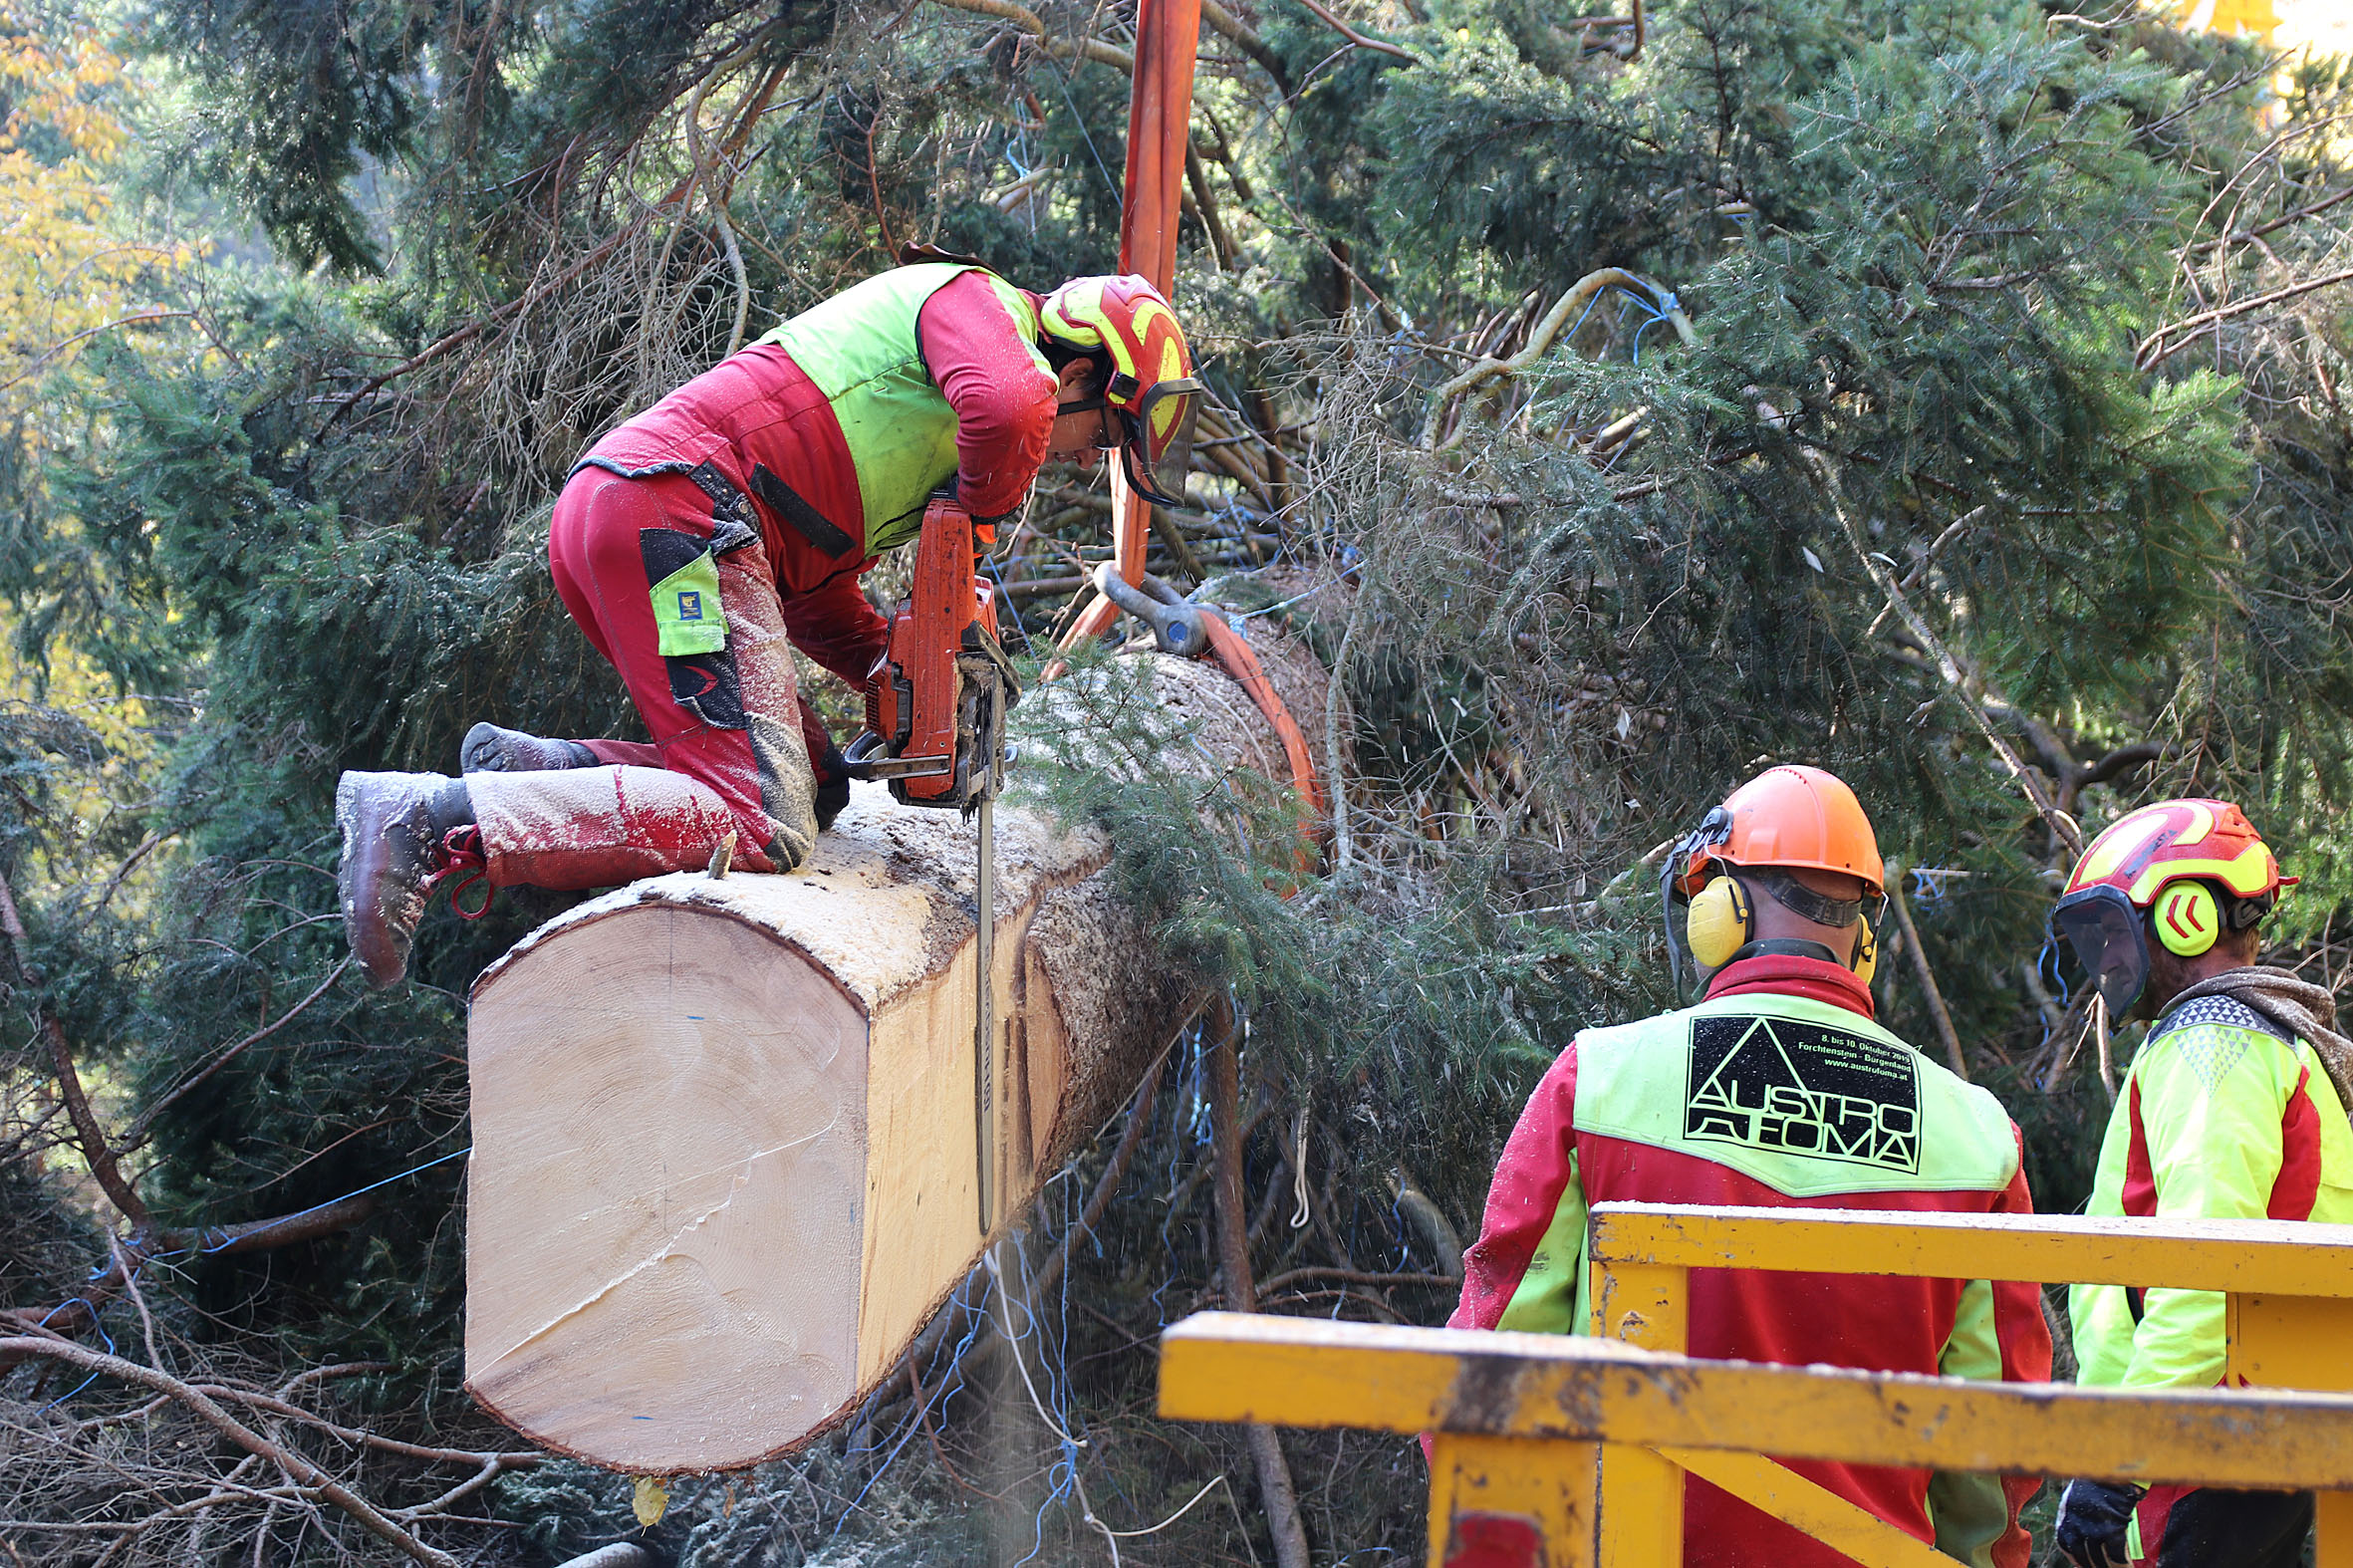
point(736, 515)
point(1777, 1089)
point(2233, 1108)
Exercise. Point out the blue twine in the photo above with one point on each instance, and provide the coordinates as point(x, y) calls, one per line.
point(1020, 625)
point(246, 1235)
point(102, 1334)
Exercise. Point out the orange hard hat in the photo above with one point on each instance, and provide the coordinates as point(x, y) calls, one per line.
point(1794, 817)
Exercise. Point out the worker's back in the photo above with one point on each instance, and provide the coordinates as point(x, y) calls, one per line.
point(1777, 1090)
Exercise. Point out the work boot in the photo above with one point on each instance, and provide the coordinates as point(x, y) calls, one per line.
point(490, 749)
point(833, 786)
point(396, 832)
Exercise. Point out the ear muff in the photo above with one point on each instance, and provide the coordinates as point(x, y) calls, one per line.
point(1717, 925)
point(2186, 918)
point(1866, 962)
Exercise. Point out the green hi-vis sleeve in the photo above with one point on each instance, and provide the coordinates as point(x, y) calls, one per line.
point(686, 613)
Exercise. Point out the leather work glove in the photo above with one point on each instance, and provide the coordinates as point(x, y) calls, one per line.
point(2093, 1518)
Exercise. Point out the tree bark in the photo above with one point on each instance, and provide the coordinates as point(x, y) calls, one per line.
point(728, 1129)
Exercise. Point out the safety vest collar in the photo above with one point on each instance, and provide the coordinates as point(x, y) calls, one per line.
point(1785, 975)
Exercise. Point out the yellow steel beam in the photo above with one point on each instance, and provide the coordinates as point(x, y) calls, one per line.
point(1226, 1367)
point(2269, 1256)
point(1640, 1508)
point(1820, 1513)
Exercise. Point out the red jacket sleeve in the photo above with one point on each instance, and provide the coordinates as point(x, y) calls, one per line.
point(1002, 392)
point(834, 625)
point(1538, 1163)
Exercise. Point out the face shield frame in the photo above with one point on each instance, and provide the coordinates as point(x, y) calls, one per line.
point(1157, 470)
point(2109, 937)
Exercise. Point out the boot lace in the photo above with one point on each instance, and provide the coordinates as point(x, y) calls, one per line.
point(462, 865)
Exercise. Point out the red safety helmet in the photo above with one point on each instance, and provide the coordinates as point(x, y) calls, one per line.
point(2167, 860)
point(1152, 396)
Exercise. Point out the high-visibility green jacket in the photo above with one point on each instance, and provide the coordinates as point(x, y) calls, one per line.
point(2223, 1117)
point(1777, 1090)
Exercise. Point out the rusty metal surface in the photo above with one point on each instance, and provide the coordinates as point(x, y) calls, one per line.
point(1289, 1371)
point(2275, 1256)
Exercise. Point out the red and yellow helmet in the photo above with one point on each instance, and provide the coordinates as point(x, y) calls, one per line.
point(1152, 395)
point(2176, 854)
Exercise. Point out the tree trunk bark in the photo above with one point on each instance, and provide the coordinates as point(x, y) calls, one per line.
point(728, 1129)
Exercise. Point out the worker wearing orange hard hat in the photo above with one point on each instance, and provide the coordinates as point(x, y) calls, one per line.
point(1777, 1089)
point(2233, 1109)
point(701, 541)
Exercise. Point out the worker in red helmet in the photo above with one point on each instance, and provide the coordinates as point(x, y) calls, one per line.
point(1777, 1089)
point(700, 541)
point(2233, 1109)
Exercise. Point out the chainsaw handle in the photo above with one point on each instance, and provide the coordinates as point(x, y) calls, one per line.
point(1175, 625)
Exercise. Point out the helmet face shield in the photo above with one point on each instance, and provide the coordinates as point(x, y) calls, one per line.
point(1160, 440)
point(2104, 928)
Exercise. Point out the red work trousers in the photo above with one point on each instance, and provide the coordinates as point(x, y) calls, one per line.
point(732, 737)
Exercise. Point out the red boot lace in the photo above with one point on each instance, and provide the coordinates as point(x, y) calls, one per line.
point(462, 865)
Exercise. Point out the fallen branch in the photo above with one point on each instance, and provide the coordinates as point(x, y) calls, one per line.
point(1248, 42)
point(531, 296)
point(145, 1120)
point(1131, 1140)
point(2063, 826)
point(1234, 1262)
point(2154, 349)
point(1928, 978)
point(97, 1153)
point(1540, 338)
point(1377, 45)
point(1352, 1276)
point(1028, 21)
point(302, 1471)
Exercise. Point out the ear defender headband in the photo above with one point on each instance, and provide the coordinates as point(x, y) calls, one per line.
point(1718, 922)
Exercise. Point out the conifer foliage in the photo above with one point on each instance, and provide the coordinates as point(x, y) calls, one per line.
point(1946, 392)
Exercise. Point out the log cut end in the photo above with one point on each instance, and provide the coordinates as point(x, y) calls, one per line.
point(728, 1131)
point(667, 1191)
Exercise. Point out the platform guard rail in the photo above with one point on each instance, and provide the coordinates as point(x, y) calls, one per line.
point(1549, 1452)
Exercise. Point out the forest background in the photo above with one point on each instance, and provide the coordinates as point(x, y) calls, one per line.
point(1964, 414)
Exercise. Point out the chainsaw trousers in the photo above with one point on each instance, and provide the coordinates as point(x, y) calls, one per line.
point(640, 562)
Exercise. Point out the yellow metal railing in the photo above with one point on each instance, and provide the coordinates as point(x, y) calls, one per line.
point(2289, 1288)
point(1570, 1453)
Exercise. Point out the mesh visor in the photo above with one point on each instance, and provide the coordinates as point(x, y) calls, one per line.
point(2104, 928)
point(1160, 440)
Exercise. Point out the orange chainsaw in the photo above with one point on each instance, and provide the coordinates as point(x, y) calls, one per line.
point(936, 699)
point(936, 708)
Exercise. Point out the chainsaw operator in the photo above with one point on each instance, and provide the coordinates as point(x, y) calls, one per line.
point(2233, 1108)
point(698, 539)
point(1776, 1089)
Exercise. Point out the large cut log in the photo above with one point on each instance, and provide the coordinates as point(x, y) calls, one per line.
point(728, 1129)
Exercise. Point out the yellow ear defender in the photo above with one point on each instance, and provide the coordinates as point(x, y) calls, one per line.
point(1719, 922)
point(2186, 918)
point(1717, 925)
